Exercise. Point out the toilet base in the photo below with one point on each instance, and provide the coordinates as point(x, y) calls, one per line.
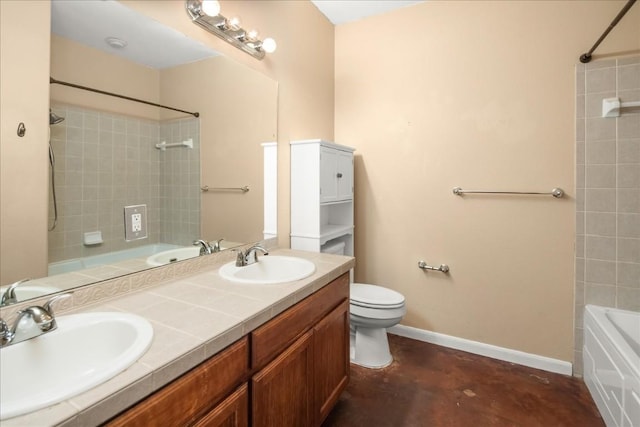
point(369, 347)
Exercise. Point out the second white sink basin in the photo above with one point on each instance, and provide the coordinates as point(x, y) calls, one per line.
point(269, 270)
point(173, 255)
point(85, 350)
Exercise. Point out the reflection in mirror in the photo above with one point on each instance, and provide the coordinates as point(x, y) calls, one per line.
point(108, 153)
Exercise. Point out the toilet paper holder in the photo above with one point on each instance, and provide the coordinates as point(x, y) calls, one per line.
point(443, 267)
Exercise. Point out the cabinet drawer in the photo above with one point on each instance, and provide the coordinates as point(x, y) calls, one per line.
point(185, 399)
point(273, 337)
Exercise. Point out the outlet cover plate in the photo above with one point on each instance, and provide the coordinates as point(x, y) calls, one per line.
point(135, 222)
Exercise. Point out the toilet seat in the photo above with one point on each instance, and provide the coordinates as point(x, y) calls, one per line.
point(372, 296)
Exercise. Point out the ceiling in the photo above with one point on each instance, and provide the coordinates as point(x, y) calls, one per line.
point(157, 46)
point(343, 11)
point(148, 42)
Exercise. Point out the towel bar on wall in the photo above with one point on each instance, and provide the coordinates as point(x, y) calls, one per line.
point(556, 192)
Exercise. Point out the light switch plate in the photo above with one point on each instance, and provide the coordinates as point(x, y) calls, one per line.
point(135, 222)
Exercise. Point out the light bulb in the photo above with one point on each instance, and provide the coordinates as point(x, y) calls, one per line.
point(252, 35)
point(234, 23)
point(269, 45)
point(210, 7)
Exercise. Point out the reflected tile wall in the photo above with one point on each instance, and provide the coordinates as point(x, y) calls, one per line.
point(607, 192)
point(180, 183)
point(106, 161)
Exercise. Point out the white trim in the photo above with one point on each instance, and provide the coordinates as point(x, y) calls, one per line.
point(482, 349)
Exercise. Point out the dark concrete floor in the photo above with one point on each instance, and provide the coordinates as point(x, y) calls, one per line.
point(429, 385)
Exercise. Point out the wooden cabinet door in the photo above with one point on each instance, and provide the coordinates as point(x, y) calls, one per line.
point(185, 400)
point(232, 412)
point(280, 395)
point(331, 360)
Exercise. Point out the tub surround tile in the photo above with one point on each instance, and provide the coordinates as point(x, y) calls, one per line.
point(608, 247)
point(628, 298)
point(628, 274)
point(600, 294)
point(601, 224)
point(603, 248)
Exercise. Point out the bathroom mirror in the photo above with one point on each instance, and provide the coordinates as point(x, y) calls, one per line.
point(109, 153)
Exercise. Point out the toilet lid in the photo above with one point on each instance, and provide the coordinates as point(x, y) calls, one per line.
point(373, 296)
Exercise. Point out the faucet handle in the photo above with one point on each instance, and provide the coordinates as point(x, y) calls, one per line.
point(240, 258)
point(48, 305)
point(6, 336)
point(9, 296)
point(215, 245)
point(4, 328)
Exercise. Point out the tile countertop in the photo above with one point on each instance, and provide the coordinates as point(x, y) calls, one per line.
point(193, 318)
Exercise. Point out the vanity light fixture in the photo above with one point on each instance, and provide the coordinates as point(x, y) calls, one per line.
point(206, 13)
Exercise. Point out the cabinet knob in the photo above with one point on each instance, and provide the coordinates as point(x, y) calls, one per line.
point(339, 175)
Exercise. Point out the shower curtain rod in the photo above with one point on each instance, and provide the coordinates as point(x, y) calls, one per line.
point(586, 57)
point(90, 89)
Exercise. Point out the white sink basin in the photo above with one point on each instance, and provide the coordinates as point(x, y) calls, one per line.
point(85, 350)
point(173, 255)
point(25, 291)
point(269, 270)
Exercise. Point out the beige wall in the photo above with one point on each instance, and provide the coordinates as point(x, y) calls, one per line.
point(24, 97)
point(238, 110)
point(478, 95)
point(102, 71)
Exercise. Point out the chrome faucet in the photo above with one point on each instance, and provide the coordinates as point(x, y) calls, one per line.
point(215, 245)
point(9, 296)
point(205, 248)
point(42, 317)
point(250, 256)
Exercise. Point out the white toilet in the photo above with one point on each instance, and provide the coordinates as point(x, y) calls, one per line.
point(373, 309)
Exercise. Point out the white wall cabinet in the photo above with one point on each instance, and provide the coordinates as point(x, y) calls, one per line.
point(321, 195)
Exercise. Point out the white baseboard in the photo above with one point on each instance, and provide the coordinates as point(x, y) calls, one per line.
point(488, 350)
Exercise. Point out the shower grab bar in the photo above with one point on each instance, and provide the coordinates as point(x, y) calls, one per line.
point(556, 192)
point(163, 145)
point(206, 188)
point(444, 268)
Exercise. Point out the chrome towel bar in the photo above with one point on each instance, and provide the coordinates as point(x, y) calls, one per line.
point(443, 267)
point(206, 188)
point(556, 192)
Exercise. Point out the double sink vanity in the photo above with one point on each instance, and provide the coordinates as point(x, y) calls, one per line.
point(265, 344)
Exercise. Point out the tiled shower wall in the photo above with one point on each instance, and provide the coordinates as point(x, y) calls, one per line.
point(103, 162)
point(180, 183)
point(607, 192)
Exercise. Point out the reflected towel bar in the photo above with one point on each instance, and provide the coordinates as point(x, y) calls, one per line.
point(556, 192)
point(207, 188)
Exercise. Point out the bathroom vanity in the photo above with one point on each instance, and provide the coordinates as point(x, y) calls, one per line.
point(288, 372)
point(223, 353)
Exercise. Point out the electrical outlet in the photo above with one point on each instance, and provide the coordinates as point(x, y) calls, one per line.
point(135, 222)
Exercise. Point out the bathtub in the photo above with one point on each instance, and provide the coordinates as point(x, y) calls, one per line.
point(611, 356)
point(70, 265)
